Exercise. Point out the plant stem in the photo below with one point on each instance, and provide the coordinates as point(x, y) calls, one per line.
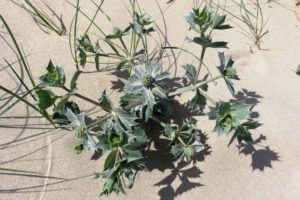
point(124, 45)
point(120, 57)
point(201, 62)
point(158, 121)
point(144, 42)
point(181, 141)
point(99, 121)
point(203, 93)
point(86, 99)
point(193, 86)
point(75, 32)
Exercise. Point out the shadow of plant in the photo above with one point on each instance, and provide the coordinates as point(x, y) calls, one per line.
point(163, 161)
point(119, 84)
point(262, 156)
point(168, 192)
point(160, 159)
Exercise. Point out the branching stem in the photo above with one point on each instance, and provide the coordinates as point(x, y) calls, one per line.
point(192, 87)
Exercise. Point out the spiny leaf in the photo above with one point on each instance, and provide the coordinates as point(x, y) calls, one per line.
point(207, 42)
point(73, 84)
point(228, 72)
point(229, 116)
point(59, 115)
point(105, 102)
point(126, 120)
point(55, 76)
point(110, 159)
point(190, 72)
point(86, 44)
point(218, 22)
point(82, 57)
point(118, 33)
point(45, 98)
point(219, 45)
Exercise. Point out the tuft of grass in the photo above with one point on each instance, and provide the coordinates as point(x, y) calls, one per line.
point(252, 19)
point(41, 18)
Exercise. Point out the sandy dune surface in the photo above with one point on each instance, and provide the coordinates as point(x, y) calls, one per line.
point(268, 168)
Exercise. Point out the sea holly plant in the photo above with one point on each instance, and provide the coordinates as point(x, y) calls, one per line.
point(124, 134)
point(124, 159)
point(204, 22)
point(234, 117)
point(185, 141)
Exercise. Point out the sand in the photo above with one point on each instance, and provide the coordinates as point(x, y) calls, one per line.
point(268, 168)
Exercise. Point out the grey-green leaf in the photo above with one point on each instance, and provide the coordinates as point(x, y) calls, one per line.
point(86, 44)
point(75, 77)
point(110, 159)
point(126, 120)
point(82, 57)
point(105, 102)
point(190, 72)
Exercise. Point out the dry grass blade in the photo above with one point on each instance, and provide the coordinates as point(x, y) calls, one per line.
point(250, 19)
point(41, 18)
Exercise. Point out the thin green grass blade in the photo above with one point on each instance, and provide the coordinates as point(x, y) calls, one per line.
point(95, 15)
point(19, 98)
point(16, 74)
point(87, 17)
point(102, 10)
point(16, 102)
point(40, 14)
point(27, 69)
point(75, 31)
point(18, 171)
